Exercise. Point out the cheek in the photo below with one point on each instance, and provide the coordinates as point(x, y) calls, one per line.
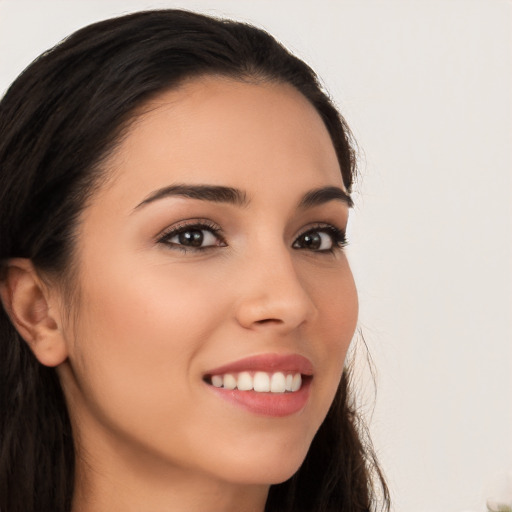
point(160, 307)
point(335, 297)
point(337, 305)
point(137, 337)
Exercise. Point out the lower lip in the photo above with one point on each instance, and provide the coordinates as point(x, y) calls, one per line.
point(267, 404)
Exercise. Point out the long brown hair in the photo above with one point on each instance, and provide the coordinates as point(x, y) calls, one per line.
point(58, 122)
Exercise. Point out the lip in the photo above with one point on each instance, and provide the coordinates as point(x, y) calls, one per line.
point(267, 363)
point(267, 404)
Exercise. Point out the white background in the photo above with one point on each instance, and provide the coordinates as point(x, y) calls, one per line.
point(427, 88)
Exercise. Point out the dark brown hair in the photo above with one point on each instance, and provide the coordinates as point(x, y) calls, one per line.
point(58, 121)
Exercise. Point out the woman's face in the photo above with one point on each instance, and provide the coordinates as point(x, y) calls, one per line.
point(212, 257)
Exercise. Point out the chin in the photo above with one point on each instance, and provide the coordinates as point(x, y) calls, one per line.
point(265, 469)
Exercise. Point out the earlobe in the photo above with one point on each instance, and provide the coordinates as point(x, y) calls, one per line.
point(27, 302)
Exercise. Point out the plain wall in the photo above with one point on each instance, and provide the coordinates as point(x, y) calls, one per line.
point(427, 88)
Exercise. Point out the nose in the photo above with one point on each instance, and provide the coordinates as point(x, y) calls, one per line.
point(273, 294)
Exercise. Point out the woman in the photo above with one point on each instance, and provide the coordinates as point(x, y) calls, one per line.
point(177, 304)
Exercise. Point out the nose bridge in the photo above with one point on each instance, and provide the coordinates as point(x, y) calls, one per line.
point(273, 291)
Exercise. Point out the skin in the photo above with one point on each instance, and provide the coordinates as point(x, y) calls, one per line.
point(151, 319)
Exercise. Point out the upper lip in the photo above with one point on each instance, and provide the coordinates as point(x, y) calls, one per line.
point(267, 363)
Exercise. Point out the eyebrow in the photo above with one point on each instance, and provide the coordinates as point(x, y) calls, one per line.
point(230, 195)
point(323, 195)
point(214, 193)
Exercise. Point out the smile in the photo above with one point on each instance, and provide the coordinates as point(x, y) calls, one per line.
point(261, 382)
point(268, 384)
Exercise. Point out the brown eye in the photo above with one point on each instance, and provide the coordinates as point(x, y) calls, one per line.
point(194, 237)
point(314, 241)
point(322, 239)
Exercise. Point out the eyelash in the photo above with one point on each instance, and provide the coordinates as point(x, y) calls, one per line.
point(205, 225)
point(338, 236)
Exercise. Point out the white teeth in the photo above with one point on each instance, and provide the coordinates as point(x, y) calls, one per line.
point(244, 382)
point(297, 382)
point(217, 381)
point(289, 381)
point(278, 383)
point(229, 381)
point(261, 382)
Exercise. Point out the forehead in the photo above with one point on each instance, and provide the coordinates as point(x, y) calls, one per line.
point(226, 132)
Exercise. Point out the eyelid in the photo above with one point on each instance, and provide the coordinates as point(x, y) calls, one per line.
point(189, 224)
point(338, 235)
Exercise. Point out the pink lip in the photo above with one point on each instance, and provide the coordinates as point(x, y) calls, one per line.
point(267, 404)
point(267, 363)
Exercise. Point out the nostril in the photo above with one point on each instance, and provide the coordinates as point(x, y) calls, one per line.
point(269, 321)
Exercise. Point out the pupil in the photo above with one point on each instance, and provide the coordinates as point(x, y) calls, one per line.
point(191, 238)
point(312, 240)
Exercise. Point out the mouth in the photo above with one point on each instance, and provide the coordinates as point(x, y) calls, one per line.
point(260, 382)
point(269, 384)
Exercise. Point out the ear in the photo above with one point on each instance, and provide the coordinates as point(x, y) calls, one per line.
point(27, 302)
